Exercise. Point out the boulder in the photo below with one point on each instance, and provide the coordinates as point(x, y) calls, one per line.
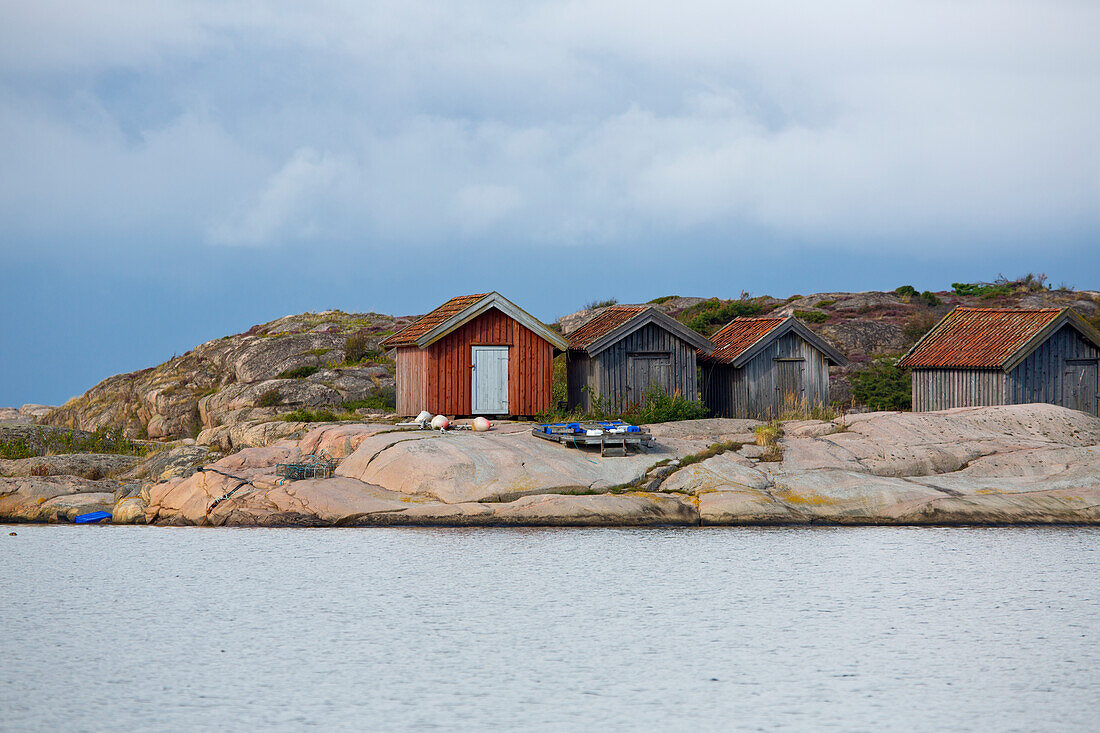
point(53, 498)
point(341, 439)
point(724, 472)
point(129, 511)
point(498, 466)
point(228, 438)
point(745, 507)
point(180, 461)
point(87, 465)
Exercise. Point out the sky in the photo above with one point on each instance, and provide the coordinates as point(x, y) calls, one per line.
point(172, 172)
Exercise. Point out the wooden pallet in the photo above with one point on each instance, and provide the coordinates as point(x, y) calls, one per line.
point(611, 444)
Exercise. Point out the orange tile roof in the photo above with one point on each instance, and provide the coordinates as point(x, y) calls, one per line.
point(978, 337)
point(602, 324)
point(738, 335)
point(408, 336)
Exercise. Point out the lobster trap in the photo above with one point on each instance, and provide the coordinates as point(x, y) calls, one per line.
point(319, 465)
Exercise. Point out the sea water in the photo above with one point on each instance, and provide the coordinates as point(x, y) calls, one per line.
point(152, 628)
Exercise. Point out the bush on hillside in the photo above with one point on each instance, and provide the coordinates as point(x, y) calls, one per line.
point(1029, 283)
point(359, 346)
point(270, 398)
point(811, 316)
point(882, 385)
point(703, 317)
point(299, 372)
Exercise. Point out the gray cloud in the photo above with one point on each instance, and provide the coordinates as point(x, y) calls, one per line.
point(242, 125)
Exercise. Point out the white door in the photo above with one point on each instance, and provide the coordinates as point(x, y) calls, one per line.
point(490, 380)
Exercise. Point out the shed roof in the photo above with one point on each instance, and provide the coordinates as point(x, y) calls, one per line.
point(990, 338)
point(459, 311)
point(619, 321)
point(743, 337)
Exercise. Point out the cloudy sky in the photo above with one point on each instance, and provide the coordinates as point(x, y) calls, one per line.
point(175, 171)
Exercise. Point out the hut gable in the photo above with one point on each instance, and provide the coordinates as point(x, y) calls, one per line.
point(459, 311)
point(619, 321)
point(619, 354)
point(740, 340)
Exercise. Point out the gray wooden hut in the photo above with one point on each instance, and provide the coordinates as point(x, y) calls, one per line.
point(622, 351)
point(991, 356)
point(761, 367)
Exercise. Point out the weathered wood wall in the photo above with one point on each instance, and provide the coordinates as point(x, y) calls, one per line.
point(412, 380)
point(439, 377)
point(942, 389)
point(1038, 378)
point(579, 373)
point(753, 390)
point(606, 374)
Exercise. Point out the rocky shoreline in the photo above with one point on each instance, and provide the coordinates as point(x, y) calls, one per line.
point(1024, 464)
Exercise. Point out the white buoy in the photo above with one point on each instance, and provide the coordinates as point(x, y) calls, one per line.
point(424, 416)
point(481, 424)
point(440, 422)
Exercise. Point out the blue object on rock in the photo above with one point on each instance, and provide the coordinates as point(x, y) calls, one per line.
point(92, 517)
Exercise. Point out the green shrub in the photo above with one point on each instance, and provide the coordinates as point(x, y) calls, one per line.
point(929, 299)
point(299, 372)
point(1029, 283)
point(663, 299)
point(381, 401)
point(702, 317)
point(15, 448)
point(359, 346)
point(100, 440)
point(811, 316)
point(601, 303)
point(657, 406)
point(270, 398)
point(905, 291)
point(824, 303)
point(305, 415)
point(882, 385)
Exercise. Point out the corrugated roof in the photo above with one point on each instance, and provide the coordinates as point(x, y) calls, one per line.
point(738, 335)
point(409, 335)
point(978, 337)
point(602, 324)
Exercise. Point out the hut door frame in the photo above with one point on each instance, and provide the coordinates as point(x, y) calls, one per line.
point(789, 373)
point(1080, 388)
point(657, 367)
point(489, 380)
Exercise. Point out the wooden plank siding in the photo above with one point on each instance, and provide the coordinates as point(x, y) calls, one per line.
point(438, 377)
point(942, 389)
point(412, 380)
point(606, 373)
point(1038, 378)
point(752, 390)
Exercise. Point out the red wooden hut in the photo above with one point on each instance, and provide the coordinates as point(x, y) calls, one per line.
point(475, 355)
